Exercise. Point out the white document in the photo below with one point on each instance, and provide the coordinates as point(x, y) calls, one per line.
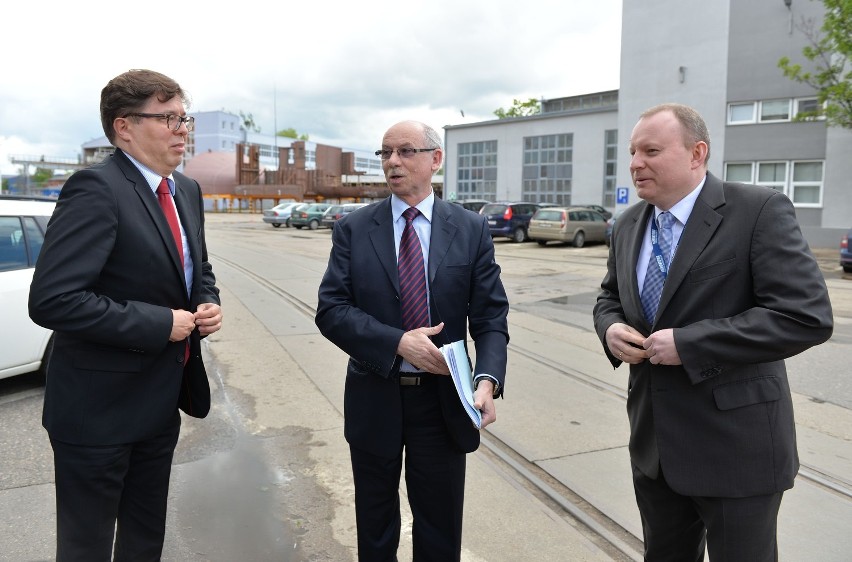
point(456, 358)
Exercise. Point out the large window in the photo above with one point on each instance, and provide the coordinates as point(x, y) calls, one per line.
point(801, 181)
point(806, 186)
point(772, 174)
point(739, 113)
point(477, 170)
point(774, 111)
point(610, 168)
point(547, 171)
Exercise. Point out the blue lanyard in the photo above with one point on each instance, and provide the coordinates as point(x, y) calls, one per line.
point(658, 252)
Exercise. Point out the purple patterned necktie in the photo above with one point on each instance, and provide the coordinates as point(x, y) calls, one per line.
point(412, 276)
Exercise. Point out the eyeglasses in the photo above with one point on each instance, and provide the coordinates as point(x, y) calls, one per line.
point(386, 153)
point(173, 121)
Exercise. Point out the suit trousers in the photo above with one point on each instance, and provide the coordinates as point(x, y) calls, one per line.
point(113, 492)
point(677, 528)
point(434, 479)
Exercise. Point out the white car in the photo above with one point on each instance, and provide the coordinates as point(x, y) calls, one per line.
point(24, 346)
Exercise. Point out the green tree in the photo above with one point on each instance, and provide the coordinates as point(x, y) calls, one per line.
point(41, 176)
point(831, 49)
point(248, 122)
point(292, 134)
point(519, 109)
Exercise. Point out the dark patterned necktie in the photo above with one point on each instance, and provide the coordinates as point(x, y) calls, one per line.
point(412, 276)
point(655, 278)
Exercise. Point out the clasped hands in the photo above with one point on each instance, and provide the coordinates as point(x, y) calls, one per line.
point(632, 347)
point(207, 318)
point(416, 348)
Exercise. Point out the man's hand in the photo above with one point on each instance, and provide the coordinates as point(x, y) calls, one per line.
point(483, 400)
point(661, 349)
point(208, 318)
point(626, 343)
point(183, 323)
point(416, 348)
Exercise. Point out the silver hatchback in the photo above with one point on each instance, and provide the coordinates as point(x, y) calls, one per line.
point(575, 225)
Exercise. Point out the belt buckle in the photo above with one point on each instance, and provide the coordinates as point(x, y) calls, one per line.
point(409, 380)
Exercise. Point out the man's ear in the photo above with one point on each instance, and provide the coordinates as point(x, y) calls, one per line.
point(122, 128)
point(699, 154)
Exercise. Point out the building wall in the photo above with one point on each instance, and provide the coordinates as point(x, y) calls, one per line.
point(658, 37)
point(587, 129)
point(216, 131)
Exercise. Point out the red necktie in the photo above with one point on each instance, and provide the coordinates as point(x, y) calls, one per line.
point(412, 276)
point(164, 197)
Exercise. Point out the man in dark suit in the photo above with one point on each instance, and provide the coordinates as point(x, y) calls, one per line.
point(398, 396)
point(712, 436)
point(128, 297)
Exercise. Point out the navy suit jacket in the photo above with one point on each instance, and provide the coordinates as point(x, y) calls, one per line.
point(742, 294)
point(106, 282)
point(359, 311)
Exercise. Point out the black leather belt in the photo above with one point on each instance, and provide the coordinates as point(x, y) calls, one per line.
point(412, 379)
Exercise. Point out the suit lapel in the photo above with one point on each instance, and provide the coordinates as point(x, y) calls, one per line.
point(699, 229)
point(635, 234)
point(443, 232)
point(149, 201)
point(381, 236)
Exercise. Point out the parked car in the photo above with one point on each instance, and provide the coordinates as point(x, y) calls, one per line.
point(575, 225)
point(336, 212)
point(280, 214)
point(602, 210)
point(309, 215)
point(474, 205)
point(24, 345)
point(846, 252)
point(509, 219)
point(610, 222)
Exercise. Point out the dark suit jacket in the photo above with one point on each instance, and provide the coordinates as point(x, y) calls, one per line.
point(359, 311)
point(743, 293)
point(106, 281)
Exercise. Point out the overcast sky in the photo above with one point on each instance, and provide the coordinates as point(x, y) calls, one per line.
point(340, 72)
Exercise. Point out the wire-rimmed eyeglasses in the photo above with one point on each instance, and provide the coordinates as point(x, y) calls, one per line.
point(173, 121)
point(407, 152)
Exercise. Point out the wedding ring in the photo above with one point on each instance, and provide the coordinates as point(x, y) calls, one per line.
point(621, 355)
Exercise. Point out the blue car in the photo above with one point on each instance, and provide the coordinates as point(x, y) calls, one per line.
point(846, 252)
point(509, 219)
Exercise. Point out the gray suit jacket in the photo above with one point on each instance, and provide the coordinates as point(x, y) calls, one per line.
point(106, 281)
point(359, 311)
point(743, 293)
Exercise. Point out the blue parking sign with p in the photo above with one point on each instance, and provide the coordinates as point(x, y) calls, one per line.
point(621, 195)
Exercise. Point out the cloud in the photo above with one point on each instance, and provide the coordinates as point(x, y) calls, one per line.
point(341, 73)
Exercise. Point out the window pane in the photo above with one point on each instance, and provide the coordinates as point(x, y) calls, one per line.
point(741, 113)
point(809, 105)
point(807, 171)
point(771, 172)
point(806, 194)
point(738, 172)
point(778, 110)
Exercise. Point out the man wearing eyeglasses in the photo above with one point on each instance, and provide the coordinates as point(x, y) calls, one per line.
point(399, 400)
point(124, 282)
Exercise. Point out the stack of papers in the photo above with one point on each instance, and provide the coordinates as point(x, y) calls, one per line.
point(456, 357)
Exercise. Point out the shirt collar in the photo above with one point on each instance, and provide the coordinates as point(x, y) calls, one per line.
point(398, 206)
point(152, 177)
point(683, 208)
